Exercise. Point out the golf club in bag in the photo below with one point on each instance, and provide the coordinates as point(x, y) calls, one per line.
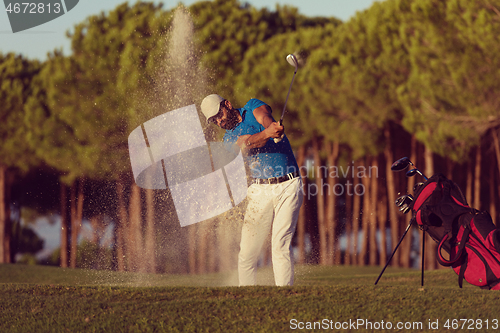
point(469, 236)
point(292, 60)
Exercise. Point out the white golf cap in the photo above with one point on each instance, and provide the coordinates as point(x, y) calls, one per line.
point(210, 105)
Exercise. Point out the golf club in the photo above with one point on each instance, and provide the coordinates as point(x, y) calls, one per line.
point(403, 163)
point(292, 60)
point(413, 172)
point(417, 187)
point(404, 199)
point(404, 203)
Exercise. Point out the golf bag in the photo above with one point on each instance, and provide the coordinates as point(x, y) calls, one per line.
point(468, 235)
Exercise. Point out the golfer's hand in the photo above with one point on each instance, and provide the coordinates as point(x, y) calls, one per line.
point(275, 130)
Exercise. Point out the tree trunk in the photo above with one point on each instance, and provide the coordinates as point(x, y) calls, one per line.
point(320, 200)
point(493, 208)
point(468, 187)
point(301, 224)
point(192, 248)
point(150, 240)
point(74, 232)
point(203, 247)
point(9, 255)
point(450, 165)
point(365, 218)
point(356, 211)
point(64, 226)
point(331, 221)
point(349, 253)
point(497, 154)
point(97, 223)
point(120, 225)
point(135, 246)
point(228, 236)
point(76, 218)
point(382, 225)
point(373, 213)
point(477, 180)
point(391, 195)
point(407, 242)
point(430, 254)
point(211, 249)
point(3, 215)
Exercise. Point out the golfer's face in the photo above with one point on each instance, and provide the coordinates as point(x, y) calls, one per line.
point(225, 118)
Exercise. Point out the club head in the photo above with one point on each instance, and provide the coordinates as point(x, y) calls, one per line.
point(405, 209)
point(404, 200)
point(411, 172)
point(399, 201)
point(401, 164)
point(417, 187)
point(292, 60)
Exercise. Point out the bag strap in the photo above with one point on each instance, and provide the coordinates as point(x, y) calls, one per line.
point(461, 247)
point(462, 271)
point(447, 209)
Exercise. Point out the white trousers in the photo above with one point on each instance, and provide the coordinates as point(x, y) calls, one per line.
point(275, 206)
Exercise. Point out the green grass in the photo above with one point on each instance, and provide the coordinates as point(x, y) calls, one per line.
point(49, 299)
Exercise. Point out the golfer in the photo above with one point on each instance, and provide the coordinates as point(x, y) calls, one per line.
point(275, 193)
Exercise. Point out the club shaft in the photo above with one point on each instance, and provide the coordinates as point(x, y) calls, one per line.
point(286, 101)
point(421, 174)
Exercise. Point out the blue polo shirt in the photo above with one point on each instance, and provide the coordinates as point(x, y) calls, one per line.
point(271, 160)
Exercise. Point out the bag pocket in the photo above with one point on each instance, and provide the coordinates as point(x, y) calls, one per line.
point(473, 269)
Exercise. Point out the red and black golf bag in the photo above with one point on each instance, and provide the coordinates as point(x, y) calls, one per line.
point(468, 235)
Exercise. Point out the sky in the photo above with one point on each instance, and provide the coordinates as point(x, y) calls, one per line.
point(36, 42)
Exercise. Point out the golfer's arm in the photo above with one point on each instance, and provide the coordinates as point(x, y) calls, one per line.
point(263, 116)
point(252, 141)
